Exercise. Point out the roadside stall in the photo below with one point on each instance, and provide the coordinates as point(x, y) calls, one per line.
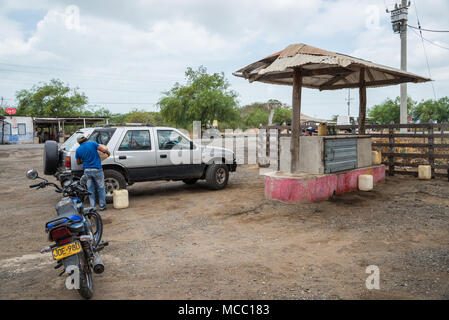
point(315, 168)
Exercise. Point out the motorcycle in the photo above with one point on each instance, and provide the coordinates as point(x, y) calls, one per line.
point(77, 233)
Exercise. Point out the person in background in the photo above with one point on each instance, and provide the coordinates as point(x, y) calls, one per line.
point(309, 131)
point(87, 155)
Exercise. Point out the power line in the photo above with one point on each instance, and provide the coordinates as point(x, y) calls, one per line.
point(82, 88)
point(428, 30)
point(46, 68)
point(89, 76)
point(431, 42)
point(105, 102)
point(424, 48)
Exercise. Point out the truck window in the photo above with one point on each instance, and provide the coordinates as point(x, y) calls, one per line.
point(70, 142)
point(135, 140)
point(169, 138)
point(102, 136)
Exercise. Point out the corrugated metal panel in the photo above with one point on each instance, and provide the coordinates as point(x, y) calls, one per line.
point(340, 155)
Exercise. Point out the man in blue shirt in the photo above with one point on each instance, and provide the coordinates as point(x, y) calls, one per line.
point(87, 155)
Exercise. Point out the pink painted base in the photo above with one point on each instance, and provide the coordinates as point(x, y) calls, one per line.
point(312, 188)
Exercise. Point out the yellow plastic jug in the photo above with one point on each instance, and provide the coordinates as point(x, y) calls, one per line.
point(322, 129)
point(377, 157)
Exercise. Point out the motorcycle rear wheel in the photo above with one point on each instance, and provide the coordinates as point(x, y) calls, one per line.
point(86, 289)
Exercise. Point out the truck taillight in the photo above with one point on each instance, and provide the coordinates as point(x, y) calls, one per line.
point(67, 162)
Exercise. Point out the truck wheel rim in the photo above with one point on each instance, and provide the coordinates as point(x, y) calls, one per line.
point(220, 175)
point(111, 184)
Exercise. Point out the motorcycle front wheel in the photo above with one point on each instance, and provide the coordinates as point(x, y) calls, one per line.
point(96, 226)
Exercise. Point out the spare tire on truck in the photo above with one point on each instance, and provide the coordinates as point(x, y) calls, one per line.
point(51, 156)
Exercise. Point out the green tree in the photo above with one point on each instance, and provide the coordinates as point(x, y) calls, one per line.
point(141, 116)
point(432, 110)
point(205, 97)
point(256, 117)
point(389, 111)
point(51, 99)
point(282, 114)
point(254, 114)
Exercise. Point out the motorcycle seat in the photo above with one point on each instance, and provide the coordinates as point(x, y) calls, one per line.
point(65, 209)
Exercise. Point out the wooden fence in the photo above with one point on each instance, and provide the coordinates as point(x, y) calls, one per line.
point(404, 146)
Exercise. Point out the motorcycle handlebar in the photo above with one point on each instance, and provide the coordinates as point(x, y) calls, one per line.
point(44, 184)
point(71, 189)
point(35, 185)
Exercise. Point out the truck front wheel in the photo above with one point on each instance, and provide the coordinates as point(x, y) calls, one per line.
point(217, 176)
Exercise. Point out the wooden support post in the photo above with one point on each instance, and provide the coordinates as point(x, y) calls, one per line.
point(431, 141)
point(391, 150)
point(362, 99)
point(296, 120)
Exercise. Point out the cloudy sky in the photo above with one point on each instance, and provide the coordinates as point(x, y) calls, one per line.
point(123, 54)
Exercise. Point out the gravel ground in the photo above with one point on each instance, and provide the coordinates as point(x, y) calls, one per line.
point(187, 242)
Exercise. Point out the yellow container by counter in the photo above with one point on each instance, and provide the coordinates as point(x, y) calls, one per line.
point(377, 157)
point(120, 199)
point(322, 129)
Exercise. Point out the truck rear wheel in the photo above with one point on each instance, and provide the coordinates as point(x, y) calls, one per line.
point(113, 180)
point(217, 176)
point(51, 155)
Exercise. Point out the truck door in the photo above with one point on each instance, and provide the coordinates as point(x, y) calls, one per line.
point(137, 154)
point(175, 157)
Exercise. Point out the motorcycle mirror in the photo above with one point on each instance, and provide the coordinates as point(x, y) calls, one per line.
point(83, 180)
point(32, 174)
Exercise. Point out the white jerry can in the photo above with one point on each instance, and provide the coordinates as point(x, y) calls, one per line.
point(425, 172)
point(366, 182)
point(120, 199)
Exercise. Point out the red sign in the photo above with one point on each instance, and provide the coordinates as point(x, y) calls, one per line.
point(11, 110)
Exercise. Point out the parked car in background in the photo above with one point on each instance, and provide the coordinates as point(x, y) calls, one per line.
point(144, 153)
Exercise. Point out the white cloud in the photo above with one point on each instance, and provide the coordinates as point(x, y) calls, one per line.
point(132, 52)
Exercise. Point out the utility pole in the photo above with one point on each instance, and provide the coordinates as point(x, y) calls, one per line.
point(399, 17)
point(348, 99)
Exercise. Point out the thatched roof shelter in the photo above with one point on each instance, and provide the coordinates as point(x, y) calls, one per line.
point(323, 70)
point(301, 65)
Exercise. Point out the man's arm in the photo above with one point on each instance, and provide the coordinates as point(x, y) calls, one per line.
point(79, 161)
point(104, 150)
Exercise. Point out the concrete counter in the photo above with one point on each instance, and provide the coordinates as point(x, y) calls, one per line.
point(328, 154)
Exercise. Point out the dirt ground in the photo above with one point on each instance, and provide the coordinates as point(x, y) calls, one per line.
point(187, 242)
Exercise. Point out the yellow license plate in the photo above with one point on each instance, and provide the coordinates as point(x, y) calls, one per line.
point(67, 250)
